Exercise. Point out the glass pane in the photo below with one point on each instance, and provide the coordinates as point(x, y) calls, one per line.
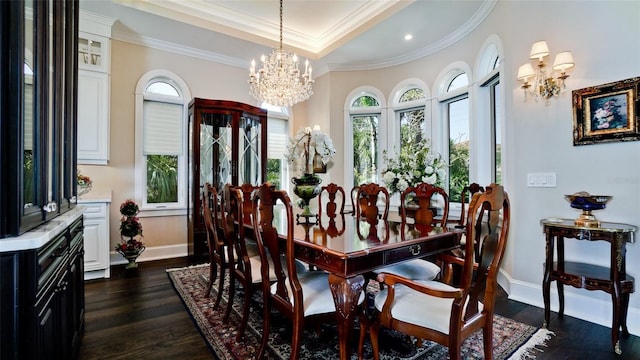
point(365, 149)
point(459, 81)
point(249, 157)
point(411, 127)
point(162, 88)
point(458, 147)
point(412, 94)
point(52, 140)
point(364, 101)
point(274, 172)
point(215, 149)
point(162, 178)
point(28, 130)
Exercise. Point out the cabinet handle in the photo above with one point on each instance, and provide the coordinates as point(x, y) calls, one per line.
point(50, 207)
point(59, 251)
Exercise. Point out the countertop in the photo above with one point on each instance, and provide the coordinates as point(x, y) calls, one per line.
point(42, 234)
point(95, 195)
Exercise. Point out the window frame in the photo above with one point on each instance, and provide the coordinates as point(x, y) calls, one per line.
point(349, 112)
point(140, 169)
point(280, 113)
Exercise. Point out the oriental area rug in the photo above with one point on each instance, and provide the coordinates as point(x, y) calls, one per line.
point(512, 339)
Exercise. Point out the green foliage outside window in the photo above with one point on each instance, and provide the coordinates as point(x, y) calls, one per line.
point(458, 168)
point(162, 178)
point(365, 149)
point(274, 171)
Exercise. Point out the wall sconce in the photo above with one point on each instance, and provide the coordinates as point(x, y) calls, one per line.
point(542, 84)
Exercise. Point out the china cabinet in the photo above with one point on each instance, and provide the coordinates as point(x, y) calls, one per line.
point(227, 144)
point(41, 229)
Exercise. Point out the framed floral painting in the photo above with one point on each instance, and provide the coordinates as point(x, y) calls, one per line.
point(606, 113)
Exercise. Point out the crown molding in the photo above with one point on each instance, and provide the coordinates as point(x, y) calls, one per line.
point(459, 34)
point(179, 49)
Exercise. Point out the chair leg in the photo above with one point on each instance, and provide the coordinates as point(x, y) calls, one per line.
point(213, 273)
point(295, 341)
point(266, 323)
point(374, 331)
point(245, 311)
point(487, 336)
point(364, 328)
point(220, 287)
point(232, 291)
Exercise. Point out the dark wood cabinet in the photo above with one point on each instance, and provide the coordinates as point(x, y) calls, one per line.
point(41, 230)
point(227, 144)
point(38, 78)
point(42, 304)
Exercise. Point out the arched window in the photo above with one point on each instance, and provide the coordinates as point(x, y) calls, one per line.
point(410, 113)
point(364, 114)
point(489, 110)
point(161, 143)
point(455, 109)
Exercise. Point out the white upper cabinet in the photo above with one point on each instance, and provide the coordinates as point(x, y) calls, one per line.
point(94, 87)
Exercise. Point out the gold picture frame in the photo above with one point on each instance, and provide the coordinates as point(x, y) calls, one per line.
point(606, 113)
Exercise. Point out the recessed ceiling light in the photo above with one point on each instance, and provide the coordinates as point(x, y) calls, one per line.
point(408, 37)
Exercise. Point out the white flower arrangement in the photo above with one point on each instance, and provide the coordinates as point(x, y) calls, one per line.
point(306, 144)
point(415, 164)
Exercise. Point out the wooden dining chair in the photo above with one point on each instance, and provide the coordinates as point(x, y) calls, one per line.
point(352, 196)
point(246, 264)
point(218, 258)
point(247, 204)
point(443, 313)
point(300, 298)
point(367, 197)
point(331, 198)
point(333, 201)
point(467, 193)
point(424, 218)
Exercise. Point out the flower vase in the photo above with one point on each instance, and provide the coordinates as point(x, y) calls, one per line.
point(306, 187)
point(132, 256)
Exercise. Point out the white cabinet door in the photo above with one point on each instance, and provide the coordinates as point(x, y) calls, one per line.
point(93, 117)
point(96, 240)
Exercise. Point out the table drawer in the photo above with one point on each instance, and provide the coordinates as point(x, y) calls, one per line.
point(404, 253)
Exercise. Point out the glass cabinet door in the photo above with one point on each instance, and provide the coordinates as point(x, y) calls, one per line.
point(38, 122)
point(29, 143)
point(216, 134)
point(249, 163)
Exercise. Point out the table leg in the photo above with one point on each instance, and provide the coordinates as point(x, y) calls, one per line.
point(560, 268)
point(546, 280)
point(615, 327)
point(346, 292)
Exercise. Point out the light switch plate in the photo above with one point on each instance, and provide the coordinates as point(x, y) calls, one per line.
point(541, 179)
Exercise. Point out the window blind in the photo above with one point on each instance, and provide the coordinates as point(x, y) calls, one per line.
point(162, 128)
point(276, 138)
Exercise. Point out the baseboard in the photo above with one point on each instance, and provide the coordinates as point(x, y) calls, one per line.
point(577, 303)
point(153, 253)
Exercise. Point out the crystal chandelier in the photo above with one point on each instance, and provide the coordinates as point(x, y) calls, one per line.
point(543, 84)
point(279, 82)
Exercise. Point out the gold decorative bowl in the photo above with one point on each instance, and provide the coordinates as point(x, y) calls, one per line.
point(586, 202)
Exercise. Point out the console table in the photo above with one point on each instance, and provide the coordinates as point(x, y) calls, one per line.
point(613, 279)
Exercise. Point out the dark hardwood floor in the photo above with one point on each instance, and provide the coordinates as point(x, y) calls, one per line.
point(138, 315)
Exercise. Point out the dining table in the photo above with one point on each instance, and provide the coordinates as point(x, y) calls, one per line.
point(348, 248)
